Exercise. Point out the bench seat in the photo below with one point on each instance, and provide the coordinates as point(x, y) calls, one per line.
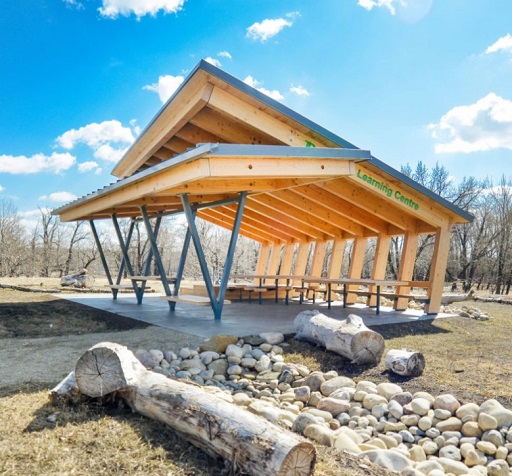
point(192, 299)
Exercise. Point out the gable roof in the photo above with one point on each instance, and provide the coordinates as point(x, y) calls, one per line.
point(217, 137)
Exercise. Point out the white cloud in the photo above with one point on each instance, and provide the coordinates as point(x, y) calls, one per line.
point(2, 188)
point(75, 4)
point(166, 86)
point(224, 54)
point(275, 94)
point(55, 163)
point(484, 125)
point(370, 4)
point(139, 8)
point(299, 91)
point(213, 61)
point(98, 171)
point(99, 138)
point(502, 44)
point(87, 166)
point(59, 197)
point(268, 28)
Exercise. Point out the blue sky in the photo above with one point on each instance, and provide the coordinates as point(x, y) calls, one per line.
point(410, 80)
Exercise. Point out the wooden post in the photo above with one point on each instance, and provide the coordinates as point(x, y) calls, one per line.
point(275, 258)
point(302, 261)
point(287, 261)
point(318, 258)
point(406, 268)
point(261, 265)
point(380, 262)
point(337, 253)
point(438, 269)
point(356, 264)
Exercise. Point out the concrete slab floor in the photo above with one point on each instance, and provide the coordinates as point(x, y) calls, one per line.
point(238, 318)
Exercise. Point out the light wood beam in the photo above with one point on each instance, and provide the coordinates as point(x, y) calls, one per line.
point(356, 264)
point(400, 196)
point(275, 202)
point(380, 262)
point(317, 265)
point(178, 145)
point(277, 235)
point(371, 203)
point(336, 261)
point(213, 216)
point(243, 112)
point(196, 135)
point(275, 258)
point(283, 231)
point(287, 261)
point(438, 269)
point(301, 261)
point(344, 208)
point(307, 232)
point(406, 267)
point(186, 104)
point(261, 265)
point(229, 130)
point(323, 212)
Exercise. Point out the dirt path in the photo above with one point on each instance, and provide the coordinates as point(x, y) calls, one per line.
point(48, 360)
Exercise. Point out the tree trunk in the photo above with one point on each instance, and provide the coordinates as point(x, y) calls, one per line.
point(204, 416)
point(451, 298)
point(350, 338)
point(404, 362)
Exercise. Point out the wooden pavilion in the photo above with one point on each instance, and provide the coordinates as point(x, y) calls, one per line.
point(222, 151)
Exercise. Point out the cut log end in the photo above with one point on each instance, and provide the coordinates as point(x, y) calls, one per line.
point(300, 461)
point(367, 347)
point(404, 362)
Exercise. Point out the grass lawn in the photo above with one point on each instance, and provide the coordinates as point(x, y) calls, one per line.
point(471, 359)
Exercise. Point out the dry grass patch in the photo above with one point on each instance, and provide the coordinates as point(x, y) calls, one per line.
point(471, 359)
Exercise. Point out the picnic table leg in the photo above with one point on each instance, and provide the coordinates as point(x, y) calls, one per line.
point(328, 295)
point(344, 294)
point(378, 300)
point(277, 290)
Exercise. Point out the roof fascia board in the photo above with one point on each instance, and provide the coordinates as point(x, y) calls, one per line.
point(224, 150)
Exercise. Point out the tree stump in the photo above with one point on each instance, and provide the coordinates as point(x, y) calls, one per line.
point(349, 338)
point(204, 416)
point(404, 362)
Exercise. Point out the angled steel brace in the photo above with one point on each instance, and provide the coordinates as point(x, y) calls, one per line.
point(152, 235)
point(217, 303)
point(139, 292)
point(102, 257)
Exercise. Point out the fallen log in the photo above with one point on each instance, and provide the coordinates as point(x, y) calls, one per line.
point(204, 416)
point(349, 338)
point(447, 299)
point(498, 300)
point(66, 391)
point(78, 280)
point(404, 362)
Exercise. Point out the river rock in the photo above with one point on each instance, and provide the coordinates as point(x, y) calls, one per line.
point(454, 467)
point(468, 409)
point(272, 338)
point(420, 406)
point(392, 460)
point(446, 402)
point(342, 441)
point(487, 422)
point(335, 383)
point(497, 410)
point(388, 390)
point(320, 434)
point(333, 405)
point(372, 399)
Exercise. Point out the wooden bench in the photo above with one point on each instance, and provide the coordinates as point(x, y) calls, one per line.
point(258, 289)
point(191, 299)
point(170, 279)
point(393, 296)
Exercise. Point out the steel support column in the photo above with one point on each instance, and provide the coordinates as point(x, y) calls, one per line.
point(217, 303)
point(139, 292)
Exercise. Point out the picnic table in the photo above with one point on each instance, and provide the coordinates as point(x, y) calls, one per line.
point(344, 282)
